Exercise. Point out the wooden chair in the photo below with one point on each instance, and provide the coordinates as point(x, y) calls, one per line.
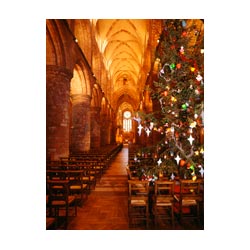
point(88, 177)
point(76, 185)
point(138, 201)
point(59, 199)
point(163, 201)
point(56, 174)
point(131, 174)
point(190, 199)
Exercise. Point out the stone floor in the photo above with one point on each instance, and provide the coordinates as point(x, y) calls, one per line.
point(107, 206)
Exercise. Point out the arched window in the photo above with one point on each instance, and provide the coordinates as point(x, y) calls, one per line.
point(127, 121)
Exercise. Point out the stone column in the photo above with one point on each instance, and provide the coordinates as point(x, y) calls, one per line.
point(95, 135)
point(80, 130)
point(104, 129)
point(113, 132)
point(57, 111)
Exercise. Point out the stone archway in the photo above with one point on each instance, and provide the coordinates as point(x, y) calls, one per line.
point(80, 116)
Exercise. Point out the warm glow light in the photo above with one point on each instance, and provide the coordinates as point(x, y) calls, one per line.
point(173, 99)
point(194, 178)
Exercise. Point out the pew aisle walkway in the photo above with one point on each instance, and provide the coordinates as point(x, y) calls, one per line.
point(106, 206)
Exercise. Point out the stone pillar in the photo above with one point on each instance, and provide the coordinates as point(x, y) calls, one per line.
point(95, 135)
point(104, 129)
point(57, 111)
point(113, 132)
point(80, 130)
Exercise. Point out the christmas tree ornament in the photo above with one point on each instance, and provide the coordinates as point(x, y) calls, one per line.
point(159, 162)
point(178, 65)
point(172, 129)
point(140, 128)
point(192, 167)
point(172, 66)
point(194, 178)
point(147, 131)
point(173, 99)
point(182, 50)
point(172, 176)
point(201, 172)
point(177, 158)
point(160, 174)
point(182, 163)
point(183, 23)
point(193, 124)
point(198, 78)
point(176, 135)
point(151, 125)
point(184, 34)
point(191, 139)
point(184, 106)
point(163, 72)
point(197, 92)
point(192, 69)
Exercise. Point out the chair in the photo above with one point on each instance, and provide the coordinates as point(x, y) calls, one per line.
point(163, 202)
point(76, 185)
point(138, 201)
point(59, 199)
point(56, 174)
point(131, 175)
point(88, 177)
point(190, 199)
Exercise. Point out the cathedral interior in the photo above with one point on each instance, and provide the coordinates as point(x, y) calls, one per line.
point(104, 80)
point(97, 73)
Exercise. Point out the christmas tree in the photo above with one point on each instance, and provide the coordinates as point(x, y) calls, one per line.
point(178, 105)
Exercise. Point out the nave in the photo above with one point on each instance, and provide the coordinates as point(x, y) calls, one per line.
point(106, 207)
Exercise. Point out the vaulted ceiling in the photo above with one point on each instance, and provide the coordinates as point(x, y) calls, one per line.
point(120, 53)
point(127, 47)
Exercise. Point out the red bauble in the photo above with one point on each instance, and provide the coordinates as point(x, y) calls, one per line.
point(184, 33)
point(182, 163)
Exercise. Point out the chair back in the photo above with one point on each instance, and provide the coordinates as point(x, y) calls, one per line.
point(131, 175)
point(58, 192)
point(190, 188)
point(164, 188)
point(138, 188)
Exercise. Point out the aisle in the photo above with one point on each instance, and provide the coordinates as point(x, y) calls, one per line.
point(106, 207)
